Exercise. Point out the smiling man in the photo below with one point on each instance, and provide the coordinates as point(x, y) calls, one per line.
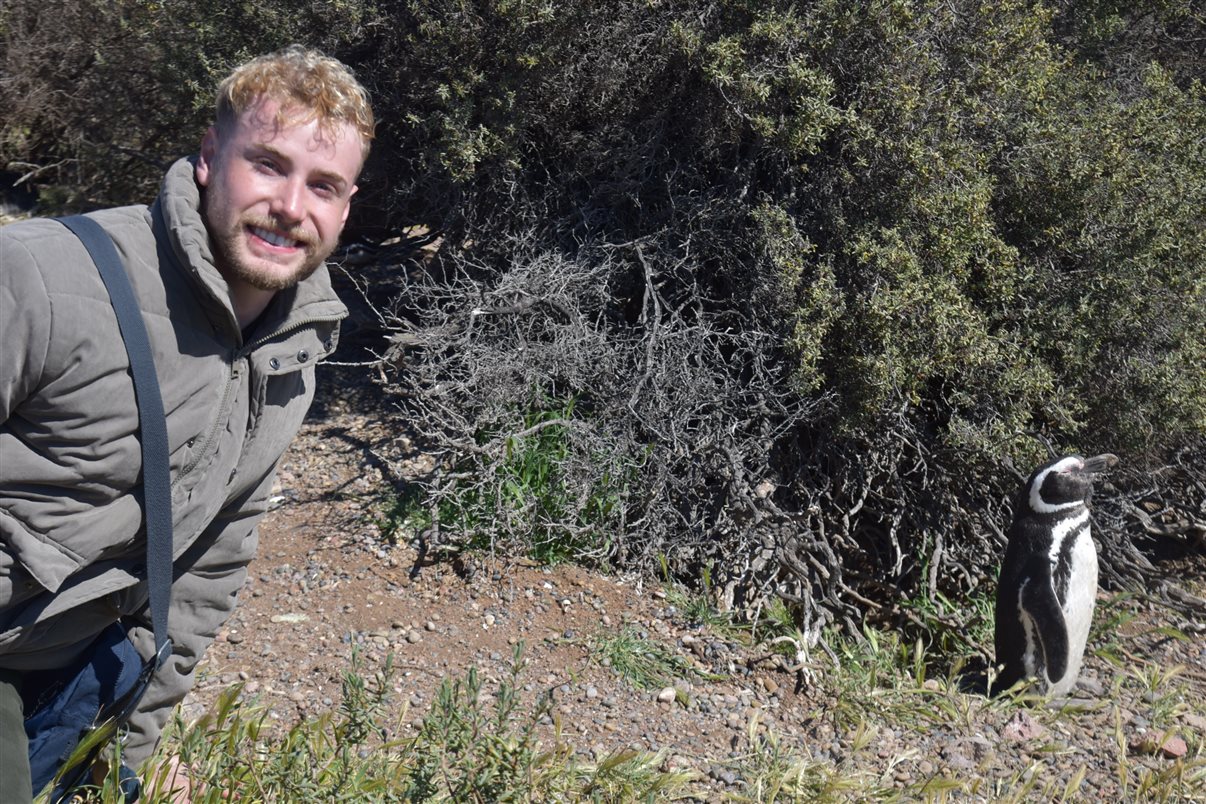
point(277, 186)
point(228, 267)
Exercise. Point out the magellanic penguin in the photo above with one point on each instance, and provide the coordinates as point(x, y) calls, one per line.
point(1048, 582)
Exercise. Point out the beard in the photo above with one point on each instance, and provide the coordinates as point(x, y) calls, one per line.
point(235, 263)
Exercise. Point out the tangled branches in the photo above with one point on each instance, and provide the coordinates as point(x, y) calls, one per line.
point(602, 407)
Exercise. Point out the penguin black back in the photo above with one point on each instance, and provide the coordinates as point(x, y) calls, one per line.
point(1048, 579)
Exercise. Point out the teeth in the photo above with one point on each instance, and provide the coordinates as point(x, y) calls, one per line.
point(272, 237)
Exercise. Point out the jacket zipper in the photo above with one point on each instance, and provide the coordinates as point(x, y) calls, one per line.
point(209, 437)
point(236, 357)
point(286, 330)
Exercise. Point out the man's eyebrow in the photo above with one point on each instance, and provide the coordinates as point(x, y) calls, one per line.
point(334, 178)
point(326, 175)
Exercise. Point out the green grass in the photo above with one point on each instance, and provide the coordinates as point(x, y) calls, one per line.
point(523, 495)
point(642, 662)
point(696, 609)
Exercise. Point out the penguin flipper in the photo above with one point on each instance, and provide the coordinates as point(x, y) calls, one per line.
point(1040, 602)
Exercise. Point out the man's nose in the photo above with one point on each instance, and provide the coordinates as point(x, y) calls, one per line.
point(288, 202)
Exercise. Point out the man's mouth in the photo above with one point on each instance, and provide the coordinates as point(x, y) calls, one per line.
point(275, 238)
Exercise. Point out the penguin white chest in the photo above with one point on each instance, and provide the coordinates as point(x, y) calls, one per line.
point(1076, 561)
point(1082, 590)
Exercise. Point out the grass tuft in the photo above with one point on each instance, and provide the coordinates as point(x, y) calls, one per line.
point(644, 663)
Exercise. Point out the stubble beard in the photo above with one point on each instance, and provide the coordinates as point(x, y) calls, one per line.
point(230, 255)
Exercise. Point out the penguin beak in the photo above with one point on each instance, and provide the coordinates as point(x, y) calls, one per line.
point(1099, 463)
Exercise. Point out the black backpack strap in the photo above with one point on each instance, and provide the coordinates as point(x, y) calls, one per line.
point(156, 475)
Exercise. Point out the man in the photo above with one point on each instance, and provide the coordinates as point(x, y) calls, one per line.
point(228, 268)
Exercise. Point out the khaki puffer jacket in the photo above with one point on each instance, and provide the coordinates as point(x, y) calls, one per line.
point(72, 544)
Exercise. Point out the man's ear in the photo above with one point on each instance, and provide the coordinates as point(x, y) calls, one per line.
point(209, 150)
point(348, 206)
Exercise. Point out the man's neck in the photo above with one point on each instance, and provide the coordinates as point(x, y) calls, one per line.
point(248, 302)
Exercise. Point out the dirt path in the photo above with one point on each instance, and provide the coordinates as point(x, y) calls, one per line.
point(324, 583)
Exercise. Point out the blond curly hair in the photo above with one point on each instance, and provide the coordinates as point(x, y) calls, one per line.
point(307, 84)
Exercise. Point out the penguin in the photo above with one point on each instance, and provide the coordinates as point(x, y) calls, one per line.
point(1048, 582)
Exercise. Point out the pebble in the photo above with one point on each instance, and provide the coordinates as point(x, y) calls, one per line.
point(1022, 728)
point(667, 695)
point(1169, 746)
point(414, 637)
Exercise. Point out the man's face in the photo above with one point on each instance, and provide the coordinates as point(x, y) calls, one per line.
point(276, 197)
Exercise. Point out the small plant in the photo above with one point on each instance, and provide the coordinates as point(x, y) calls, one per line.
point(770, 772)
point(523, 487)
point(401, 513)
point(644, 663)
point(696, 609)
point(472, 754)
point(1105, 638)
point(627, 775)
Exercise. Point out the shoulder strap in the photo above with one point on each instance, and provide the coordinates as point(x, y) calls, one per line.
point(156, 477)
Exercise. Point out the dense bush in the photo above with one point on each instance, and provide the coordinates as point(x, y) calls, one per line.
point(794, 291)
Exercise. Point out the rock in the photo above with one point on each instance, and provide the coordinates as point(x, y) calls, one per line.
point(667, 695)
point(414, 637)
point(1161, 743)
point(1022, 728)
point(1091, 687)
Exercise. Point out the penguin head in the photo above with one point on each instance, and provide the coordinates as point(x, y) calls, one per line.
point(1065, 483)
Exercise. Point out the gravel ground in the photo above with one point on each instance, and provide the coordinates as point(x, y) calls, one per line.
point(324, 583)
